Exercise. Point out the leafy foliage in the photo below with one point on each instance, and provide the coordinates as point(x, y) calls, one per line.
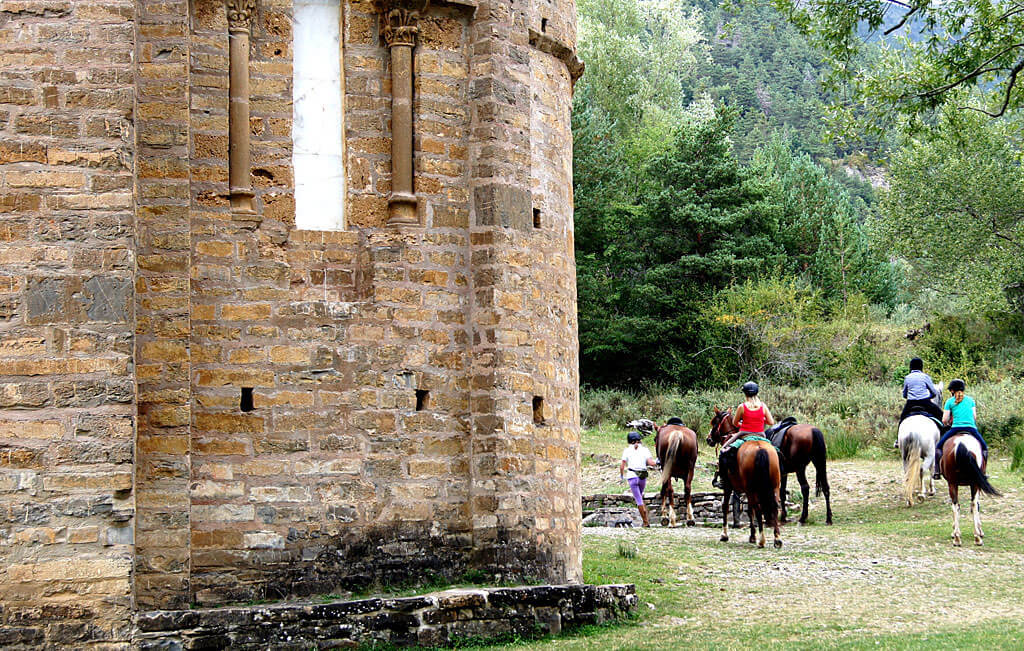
point(954, 211)
point(943, 47)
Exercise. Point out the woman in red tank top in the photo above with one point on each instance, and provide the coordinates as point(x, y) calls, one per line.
point(752, 416)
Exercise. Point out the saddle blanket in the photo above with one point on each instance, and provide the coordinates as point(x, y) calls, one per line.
point(743, 439)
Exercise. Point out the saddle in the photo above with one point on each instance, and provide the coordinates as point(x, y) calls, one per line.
point(775, 434)
point(922, 412)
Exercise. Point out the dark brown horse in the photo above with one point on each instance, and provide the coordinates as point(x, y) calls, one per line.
point(677, 451)
point(757, 473)
point(963, 464)
point(804, 444)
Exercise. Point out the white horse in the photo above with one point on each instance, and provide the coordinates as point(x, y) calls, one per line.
point(918, 435)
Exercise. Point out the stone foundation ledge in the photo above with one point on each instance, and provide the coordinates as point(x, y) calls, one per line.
point(431, 620)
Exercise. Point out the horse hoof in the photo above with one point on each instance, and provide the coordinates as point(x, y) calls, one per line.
point(724, 539)
point(978, 541)
point(691, 523)
point(778, 544)
point(920, 498)
point(956, 542)
point(760, 544)
point(664, 522)
point(829, 521)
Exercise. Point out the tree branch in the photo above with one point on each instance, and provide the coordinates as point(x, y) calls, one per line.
point(971, 75)
point(1009, 89)
point(902, 22)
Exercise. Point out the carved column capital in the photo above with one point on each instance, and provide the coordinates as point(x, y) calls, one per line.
point(240, 13)
point(400, 21)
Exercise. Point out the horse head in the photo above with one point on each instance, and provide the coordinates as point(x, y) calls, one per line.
point(721, 426)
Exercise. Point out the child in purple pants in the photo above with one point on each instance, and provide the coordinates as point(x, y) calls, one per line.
point(636, 459)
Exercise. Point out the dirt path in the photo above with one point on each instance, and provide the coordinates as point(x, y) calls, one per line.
point(881, 569)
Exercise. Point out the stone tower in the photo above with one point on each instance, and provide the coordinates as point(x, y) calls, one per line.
point(253, 349)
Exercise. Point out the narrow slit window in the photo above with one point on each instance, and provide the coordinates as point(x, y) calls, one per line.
point(422, 399)
point(538, 410)
point(317, 146)
point(543, 25)
point(536, 217)
point(246, 404)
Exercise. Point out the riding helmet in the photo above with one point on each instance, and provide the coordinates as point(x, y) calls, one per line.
point(633, 437)
point(957, 385)
point(916, 364)
point(750, 389)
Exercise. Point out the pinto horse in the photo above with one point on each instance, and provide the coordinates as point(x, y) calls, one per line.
point(757, 473)
point(677, 452)
point(963, 464)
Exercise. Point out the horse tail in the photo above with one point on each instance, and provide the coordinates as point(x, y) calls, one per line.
point(763, 485)
point(968, 470)
point(668, 464)
point(912, 468)
point(818, 456)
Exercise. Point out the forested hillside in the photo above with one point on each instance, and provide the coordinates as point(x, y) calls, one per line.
point(719, 236)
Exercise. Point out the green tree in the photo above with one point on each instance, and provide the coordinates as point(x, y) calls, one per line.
point(701, 223)
point(823, 229)
point(934, 51)
point(954, 210)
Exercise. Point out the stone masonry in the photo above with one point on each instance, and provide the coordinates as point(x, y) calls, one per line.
point(200, 403)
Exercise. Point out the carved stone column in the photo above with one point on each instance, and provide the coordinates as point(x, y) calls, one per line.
point(399, 31)
point(240, 13)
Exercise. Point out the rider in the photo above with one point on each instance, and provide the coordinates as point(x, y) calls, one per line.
point(961, 413)
point(751, 417)
point(636, 459)
point(919, 391)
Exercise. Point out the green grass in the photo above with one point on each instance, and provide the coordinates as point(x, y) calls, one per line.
point(884, 576)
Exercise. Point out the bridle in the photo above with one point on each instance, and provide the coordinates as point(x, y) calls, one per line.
point(716, 427)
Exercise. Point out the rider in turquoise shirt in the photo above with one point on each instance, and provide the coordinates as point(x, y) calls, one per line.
point(960, 411)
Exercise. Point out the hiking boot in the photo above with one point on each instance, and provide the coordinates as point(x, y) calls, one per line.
point(938, 471)
point(716, 481)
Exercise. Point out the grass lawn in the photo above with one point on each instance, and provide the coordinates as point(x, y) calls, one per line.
point(883, 576)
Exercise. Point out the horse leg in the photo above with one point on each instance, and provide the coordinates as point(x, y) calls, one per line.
point(752, 514)
point(761, 517)
point(736, 510)
point(775, 522)
point(666, 497)
point(785, 516)
point(726, 499)
point(805, 490)
point(929, 471)
point(976, 515)
point(955, 497)
point(689, 505)
point(821, 481)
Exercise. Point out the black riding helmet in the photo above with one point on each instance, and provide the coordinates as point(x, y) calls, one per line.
point(750, 389)
point(916, 364)
point(633, 437)
point(957, 385)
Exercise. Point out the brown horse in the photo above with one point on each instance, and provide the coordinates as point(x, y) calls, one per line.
point(757, 473)
point(963, 464)
point(677, 451)
point(801, 445)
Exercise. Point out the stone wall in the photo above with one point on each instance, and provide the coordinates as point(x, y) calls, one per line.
point(434, 619)
point(203, 406)
point(707, 507)
point(67, 262)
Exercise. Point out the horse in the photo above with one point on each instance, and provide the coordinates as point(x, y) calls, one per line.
point(758, 474)
point(963, 464)
point(918, 436)
point(804, 444)
point(801, 445)
point(676, 447)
